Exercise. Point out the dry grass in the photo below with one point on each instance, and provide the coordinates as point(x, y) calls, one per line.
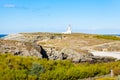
point(75, 41)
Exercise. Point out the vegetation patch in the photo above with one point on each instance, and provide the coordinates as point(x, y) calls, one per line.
point(32, 68)
point(108, 37)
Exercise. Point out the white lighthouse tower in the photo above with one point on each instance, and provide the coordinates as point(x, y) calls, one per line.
point(68, 30)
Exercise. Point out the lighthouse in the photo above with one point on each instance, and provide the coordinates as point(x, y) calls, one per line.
point(68, 30)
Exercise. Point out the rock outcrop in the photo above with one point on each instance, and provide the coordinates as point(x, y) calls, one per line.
point(74, 56)
point(32, 37)
point(20, 48)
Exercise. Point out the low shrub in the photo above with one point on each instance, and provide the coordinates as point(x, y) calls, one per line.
point(36, 69)
point(32, 68)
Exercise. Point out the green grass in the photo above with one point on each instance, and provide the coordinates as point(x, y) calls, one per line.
point(108, 37)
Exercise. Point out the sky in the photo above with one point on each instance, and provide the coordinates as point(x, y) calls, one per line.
point(84, 16)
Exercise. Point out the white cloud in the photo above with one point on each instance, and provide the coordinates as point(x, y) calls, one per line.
point(9, 5)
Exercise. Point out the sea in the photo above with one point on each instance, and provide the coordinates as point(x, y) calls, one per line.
point(2, 35)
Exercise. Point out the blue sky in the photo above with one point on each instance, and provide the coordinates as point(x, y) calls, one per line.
point(87, 16)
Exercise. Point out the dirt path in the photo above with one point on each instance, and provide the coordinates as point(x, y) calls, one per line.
point(90, 48)
point(110, 54)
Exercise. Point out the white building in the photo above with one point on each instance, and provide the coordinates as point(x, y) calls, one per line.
point(68, 30)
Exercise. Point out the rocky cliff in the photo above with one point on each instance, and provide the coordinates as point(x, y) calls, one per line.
point(20, 48)
point(31, 49)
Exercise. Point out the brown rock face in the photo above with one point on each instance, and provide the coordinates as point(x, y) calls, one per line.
point(20, 48)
